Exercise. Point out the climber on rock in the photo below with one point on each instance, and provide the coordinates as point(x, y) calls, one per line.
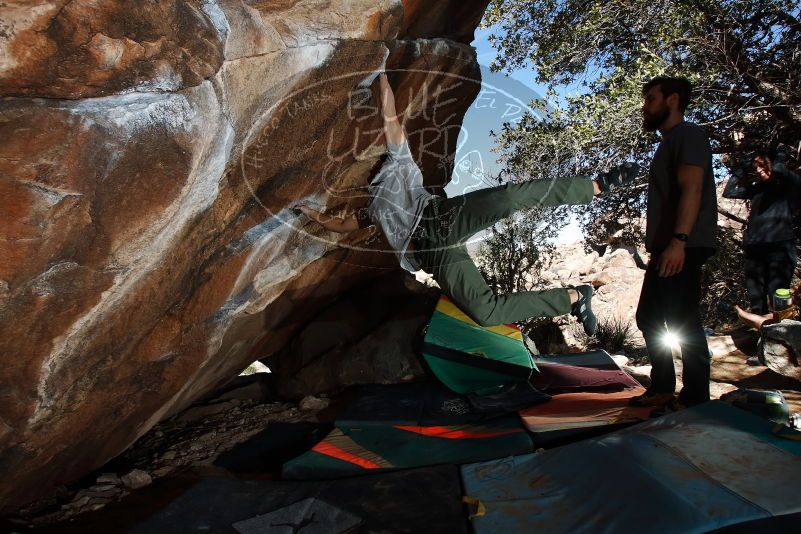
point(429, 232)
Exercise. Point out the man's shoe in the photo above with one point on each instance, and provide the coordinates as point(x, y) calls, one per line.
point(650, 399)
point(674, 406)
point(582, 309)
point(618, 177)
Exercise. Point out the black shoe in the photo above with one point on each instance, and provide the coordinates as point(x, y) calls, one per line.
point(649, 399)
point(582, 309)
point(618, 177)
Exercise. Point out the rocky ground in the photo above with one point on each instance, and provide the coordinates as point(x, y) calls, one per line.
point(195, 438)
point(191, 439)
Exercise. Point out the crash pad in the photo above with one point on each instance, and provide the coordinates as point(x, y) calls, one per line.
point(558, 378)
point(423, 404)
point(469, 358)
point(354, 451)
point(594, 359)
point(695, 470)
point(571, 416)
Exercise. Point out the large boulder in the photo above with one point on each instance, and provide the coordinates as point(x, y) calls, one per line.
point(780, 348)
point(371, 335)
point(150, 152)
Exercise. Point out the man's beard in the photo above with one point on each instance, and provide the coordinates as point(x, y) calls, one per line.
point(651, 122)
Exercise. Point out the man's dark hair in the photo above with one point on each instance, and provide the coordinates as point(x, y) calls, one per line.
point(668, 86)
point(767, 154)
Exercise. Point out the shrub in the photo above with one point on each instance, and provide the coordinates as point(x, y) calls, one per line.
point(613, 334)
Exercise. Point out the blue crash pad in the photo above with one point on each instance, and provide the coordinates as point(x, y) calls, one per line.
point(692, 471)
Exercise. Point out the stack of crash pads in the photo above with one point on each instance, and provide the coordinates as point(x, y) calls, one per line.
point(489, 374)
point(469, 358)
point(590, 396)
point(408, 425)
point(692, 471)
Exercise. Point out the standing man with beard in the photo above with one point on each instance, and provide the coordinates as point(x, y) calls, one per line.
point(680, 236)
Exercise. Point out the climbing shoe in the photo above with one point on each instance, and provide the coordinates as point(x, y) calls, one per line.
point(618, 177)
point(652, 399)
point(582, 309)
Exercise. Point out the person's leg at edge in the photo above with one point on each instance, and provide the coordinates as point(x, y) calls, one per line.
point(754, 267)
point(751, 319)
point(651, 322)
point(457, 275)
point(683, 317)
point(781, 260)
point(481, 209)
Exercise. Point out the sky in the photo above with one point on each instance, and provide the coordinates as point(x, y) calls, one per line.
point(502, 98)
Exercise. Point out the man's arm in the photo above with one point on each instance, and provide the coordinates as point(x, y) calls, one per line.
point(736, 187)
point(393, 130)
point(691, 184)
point(334, 224)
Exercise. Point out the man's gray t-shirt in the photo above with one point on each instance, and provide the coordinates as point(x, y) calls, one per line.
point(685, 144)
point(397, 200)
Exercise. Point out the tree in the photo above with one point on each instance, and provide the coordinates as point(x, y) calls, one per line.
point(743, 57)
point(516, 249)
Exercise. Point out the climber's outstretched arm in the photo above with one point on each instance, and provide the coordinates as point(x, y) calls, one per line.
point(393, 130)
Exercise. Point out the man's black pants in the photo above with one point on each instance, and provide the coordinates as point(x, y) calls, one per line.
point(671, 304)
point(768, 267)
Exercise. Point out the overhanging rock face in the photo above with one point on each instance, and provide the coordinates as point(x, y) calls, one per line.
point(148, 154)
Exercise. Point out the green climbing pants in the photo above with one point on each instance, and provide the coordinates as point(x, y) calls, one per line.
point(447, 223)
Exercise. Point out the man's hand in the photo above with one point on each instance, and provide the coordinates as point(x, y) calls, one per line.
point(311, 213)
point(671, 261)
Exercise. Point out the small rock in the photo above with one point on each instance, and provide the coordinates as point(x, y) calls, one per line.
point(161, 471)
point(94, 507)
point(201, 412)
point(167, 456)
point(77, 503)
point(255, 391)
point(602, 279)
point(109, 478)
point(620, 360)
point(311, 402)
point(640, 373)
point(103, 494)
point(136, 479)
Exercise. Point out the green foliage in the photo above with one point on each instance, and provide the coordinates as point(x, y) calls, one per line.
point(723, 280)
point(743, 58)
point(613, 334)
point(516, 249)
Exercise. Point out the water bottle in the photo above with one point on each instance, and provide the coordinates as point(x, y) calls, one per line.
point(782, 304)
